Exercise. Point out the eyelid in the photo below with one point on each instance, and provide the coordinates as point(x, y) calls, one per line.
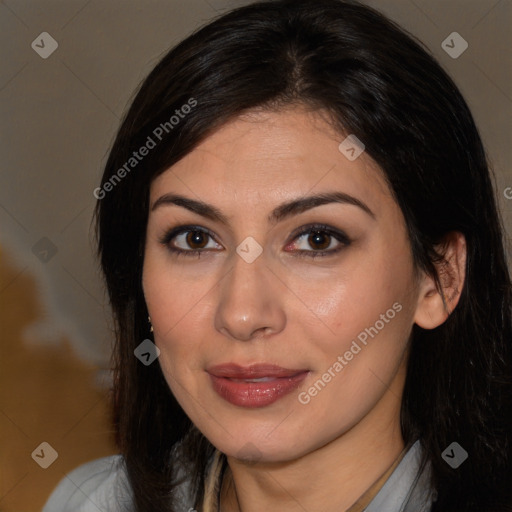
point(316, 226)
point(178, 230)
point(338, 234)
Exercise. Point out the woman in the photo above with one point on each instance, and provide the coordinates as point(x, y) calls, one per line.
point(299, 202)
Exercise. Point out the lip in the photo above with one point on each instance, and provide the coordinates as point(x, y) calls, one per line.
point(233, 383)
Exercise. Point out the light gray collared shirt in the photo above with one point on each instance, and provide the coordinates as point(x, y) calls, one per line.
point(408, 488)
point(102, 486)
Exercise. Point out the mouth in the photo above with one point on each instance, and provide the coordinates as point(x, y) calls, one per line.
point(253, 386)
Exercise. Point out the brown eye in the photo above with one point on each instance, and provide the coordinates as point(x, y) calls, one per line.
point(197, 239)
point(189, 240)
point(319, 240)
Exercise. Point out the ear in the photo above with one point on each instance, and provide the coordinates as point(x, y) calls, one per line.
point(435, 306)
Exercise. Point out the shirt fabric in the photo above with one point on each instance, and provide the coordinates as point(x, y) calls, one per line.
point(366, 498)
point(102, 486)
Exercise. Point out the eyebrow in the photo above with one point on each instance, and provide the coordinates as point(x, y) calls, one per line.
point(279, 213)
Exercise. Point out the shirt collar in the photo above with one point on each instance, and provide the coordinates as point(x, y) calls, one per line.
point(408, 488)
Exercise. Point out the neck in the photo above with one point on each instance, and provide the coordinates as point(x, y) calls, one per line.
point(330, 478)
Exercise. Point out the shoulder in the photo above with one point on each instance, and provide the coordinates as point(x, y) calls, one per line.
point(101, 484)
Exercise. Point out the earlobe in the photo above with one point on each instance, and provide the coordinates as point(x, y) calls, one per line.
point(434, 307)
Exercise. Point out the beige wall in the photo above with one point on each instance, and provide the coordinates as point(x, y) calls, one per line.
point(58, 118)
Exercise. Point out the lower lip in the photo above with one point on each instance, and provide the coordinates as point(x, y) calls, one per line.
point(255, 394)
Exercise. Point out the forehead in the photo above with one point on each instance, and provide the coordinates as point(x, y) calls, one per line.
point(270, 157)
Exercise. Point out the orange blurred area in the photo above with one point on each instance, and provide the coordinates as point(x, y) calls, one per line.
point(46, 395)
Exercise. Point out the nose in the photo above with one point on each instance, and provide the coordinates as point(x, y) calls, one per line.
point(251, 300)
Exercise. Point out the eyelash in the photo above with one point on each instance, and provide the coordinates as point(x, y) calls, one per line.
point(309, 229)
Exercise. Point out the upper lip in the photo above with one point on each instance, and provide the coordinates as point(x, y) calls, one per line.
point(253, 371)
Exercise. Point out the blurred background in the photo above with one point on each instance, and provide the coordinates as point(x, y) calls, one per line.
point(69, 69)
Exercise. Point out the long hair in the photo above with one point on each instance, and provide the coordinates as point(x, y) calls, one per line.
point(377, 82)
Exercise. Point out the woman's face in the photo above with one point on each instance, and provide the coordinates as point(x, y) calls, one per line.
point(290, 324)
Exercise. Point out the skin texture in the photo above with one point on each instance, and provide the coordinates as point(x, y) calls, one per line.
point(290, 310)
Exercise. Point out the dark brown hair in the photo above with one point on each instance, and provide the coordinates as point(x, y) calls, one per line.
point(378, 83)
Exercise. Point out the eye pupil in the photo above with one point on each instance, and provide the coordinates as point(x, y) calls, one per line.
point(319, 238)
point(196, 238)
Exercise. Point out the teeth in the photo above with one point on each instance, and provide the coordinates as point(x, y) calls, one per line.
point(262, 379)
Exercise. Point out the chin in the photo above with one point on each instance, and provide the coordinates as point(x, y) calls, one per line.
point(253, 449)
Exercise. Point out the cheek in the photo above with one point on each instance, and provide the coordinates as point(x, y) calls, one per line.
point(369, 314)
point(356, 298)
point(371, 336)
point(168, 296)
point(355, 370)
point(179, 308)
